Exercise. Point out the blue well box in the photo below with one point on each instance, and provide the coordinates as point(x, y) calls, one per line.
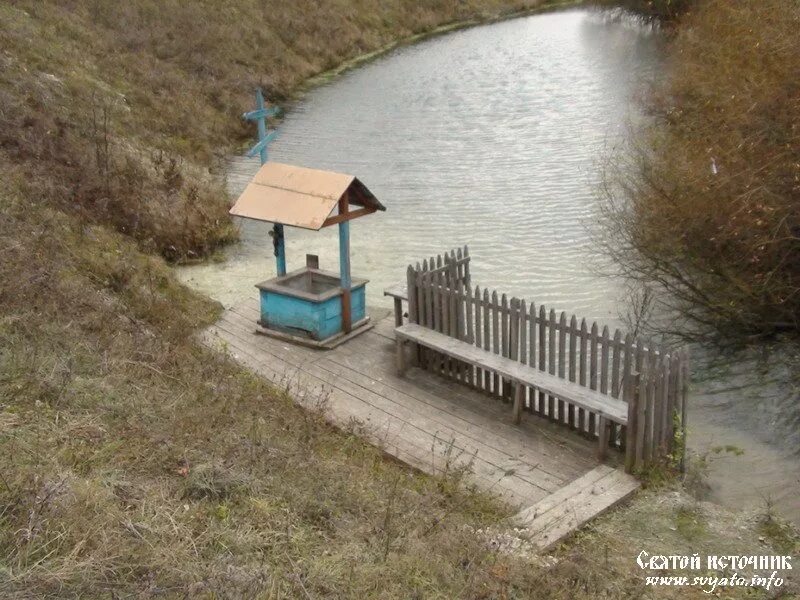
point(307, 303)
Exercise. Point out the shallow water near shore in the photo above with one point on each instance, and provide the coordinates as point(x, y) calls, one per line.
point(493, 137)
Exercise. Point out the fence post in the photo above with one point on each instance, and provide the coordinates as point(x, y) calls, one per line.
point(467, 278)
point(603, 432)
point(684, 392)
point(411, 281)
point(631, 392)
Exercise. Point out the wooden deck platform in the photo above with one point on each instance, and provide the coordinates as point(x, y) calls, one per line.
point(551, 475)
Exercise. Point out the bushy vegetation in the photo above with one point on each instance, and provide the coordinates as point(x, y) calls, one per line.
point(704, 206)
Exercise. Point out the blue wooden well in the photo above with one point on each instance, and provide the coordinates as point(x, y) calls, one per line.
point(308, 303)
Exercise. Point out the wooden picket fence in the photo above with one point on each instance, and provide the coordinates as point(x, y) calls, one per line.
point(454, 265)
point(653, 381)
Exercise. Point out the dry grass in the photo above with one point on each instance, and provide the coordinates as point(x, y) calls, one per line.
point(137, 464)
point(669, 521)
point(133, 461)
point(705, 204)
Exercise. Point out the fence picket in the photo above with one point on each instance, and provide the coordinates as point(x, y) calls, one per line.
point(437, 302)
point(652, 376)
point(478, 341)
point(684, 394)
point(572, 371)
point(532, 352)
point(604, 351)
point(468, 332)
point(562, 344)
point(616, 358)
point(523, 343)
point(504, 341)
point(593, 374)
point(663, 408)
point(487, 385)
point(455, 323)
point(495, 341)
point(630, 393)
point(412, 296)
point(551, 361)
point(513, 340)
point(584, 343)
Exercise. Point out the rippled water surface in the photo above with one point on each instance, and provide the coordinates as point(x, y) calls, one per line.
point(488, 137)
point(493, 137)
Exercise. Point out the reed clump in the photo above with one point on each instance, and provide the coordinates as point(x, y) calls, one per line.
point(663, 11)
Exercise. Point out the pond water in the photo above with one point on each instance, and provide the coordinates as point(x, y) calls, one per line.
point(494, 137)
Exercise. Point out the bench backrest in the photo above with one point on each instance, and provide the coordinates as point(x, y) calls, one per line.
point(453, 264)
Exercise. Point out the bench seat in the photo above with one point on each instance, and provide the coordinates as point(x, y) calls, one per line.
point(608, 408)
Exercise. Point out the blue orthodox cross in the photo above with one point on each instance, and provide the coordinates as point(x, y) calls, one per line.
point(260, 115)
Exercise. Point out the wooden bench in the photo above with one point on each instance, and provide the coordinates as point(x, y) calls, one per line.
point(607, 408)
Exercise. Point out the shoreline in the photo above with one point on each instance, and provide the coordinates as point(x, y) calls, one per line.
point(362, 59)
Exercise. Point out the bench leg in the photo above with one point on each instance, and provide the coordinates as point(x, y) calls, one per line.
point(400, 357)
point(416, 355)
point(604, 429)
point(519, 397)
point(398, 312)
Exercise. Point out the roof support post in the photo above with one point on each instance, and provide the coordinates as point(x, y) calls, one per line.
point(280, 249)
point(344, 265)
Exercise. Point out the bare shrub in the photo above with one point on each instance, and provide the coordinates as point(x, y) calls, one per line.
point(704, 204)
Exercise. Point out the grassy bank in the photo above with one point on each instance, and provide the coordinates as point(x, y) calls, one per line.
point(129, 106)
point(704, 204)
point(132, 462)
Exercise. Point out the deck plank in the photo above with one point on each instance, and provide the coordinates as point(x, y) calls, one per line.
point(461, 415)
point(551, 519)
